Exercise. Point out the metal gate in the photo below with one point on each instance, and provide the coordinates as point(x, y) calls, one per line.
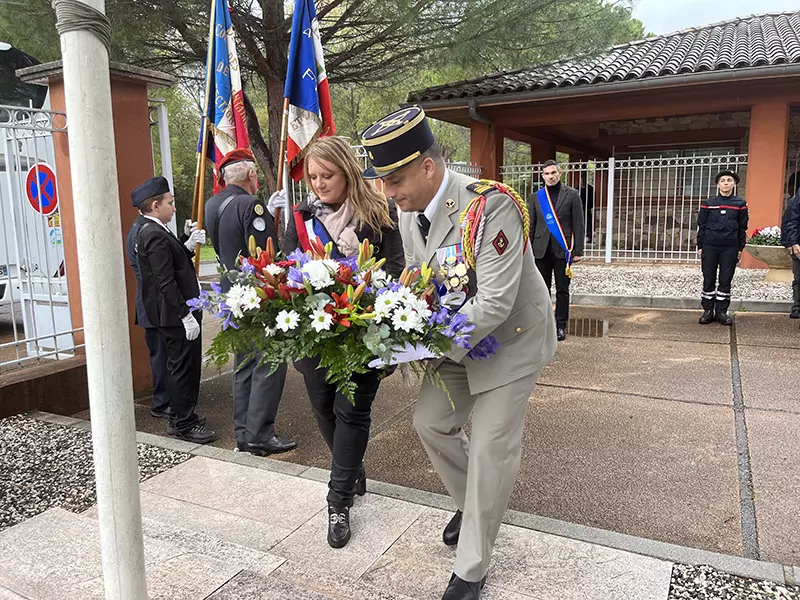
point(638, 209)
point(35, 320)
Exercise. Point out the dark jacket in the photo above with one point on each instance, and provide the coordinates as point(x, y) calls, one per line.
point(387, 242)
point(569, 210)
point(168, 276)
point(722, 222)
point(243, 217)
point(790, 225)
point(133, 259)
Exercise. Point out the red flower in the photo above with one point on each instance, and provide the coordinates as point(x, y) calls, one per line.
point(341, 312)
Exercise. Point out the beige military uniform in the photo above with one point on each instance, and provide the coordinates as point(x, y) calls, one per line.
point(511, 303)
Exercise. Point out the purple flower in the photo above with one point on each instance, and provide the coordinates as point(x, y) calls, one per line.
point(394, 286)
point(350, 261)
point(462, 341)
point(295, 278)
point(216, 287)
point(225, 314)
point(439, 317)
point(299, 257)
point(202, 302)
point(247, 268)
point(485, 348)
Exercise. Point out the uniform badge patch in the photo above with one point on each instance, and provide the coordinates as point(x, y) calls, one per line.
point(449, 203)
point(259, 210)
point(259, 224)
point(500, 242)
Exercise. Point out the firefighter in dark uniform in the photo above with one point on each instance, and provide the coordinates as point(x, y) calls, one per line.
point(168, 281)
point(721, 237)
point(232, 217)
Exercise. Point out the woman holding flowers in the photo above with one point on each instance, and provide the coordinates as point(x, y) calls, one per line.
point(346, 210)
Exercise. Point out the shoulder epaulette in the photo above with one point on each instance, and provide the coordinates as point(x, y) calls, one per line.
point(481, 187)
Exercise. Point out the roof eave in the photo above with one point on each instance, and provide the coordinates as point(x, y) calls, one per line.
point(652, 83)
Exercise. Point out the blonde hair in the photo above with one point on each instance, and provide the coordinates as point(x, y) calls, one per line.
point(370, 206)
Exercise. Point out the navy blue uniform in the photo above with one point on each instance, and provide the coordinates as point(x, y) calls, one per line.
point(790, 235)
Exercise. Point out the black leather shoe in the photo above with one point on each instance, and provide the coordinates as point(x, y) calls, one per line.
point(162, 414)
point(708, 317)
point(273, 446)
point(458, 589)
point(724, 318)
point(338, 526)
point(561, 334)
point(795, 314)
point(198, 434)
point(452, 530)
point(361, 482)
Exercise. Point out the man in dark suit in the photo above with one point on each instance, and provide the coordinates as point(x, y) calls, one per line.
point(550, 256)
point(233, 216)
point(168, 281)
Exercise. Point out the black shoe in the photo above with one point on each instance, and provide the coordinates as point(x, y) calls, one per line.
point(458, 589)
point(165, 413)
point(198, 434)
point(561, 334)
point(273, 446)
point(708, 317)
point(201, 420)
point(795, 314)
point(361, 482)
point(338, 526)
point(724, 318)
point(452, 530)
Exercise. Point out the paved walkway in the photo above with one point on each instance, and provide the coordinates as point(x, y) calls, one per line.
point(224, 525)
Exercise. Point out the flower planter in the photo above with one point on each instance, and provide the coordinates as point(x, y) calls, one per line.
point(777, 259)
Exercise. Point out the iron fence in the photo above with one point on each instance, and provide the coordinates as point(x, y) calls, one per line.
point(35, 320)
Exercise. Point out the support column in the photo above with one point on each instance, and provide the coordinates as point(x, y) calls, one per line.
point(486, 149)
point(766, 167)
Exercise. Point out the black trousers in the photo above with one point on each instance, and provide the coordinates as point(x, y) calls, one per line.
point(158, 367)
point(548, 266)
point(716, 294)
point(184, 365)
point(344, 426)
point(256, 396)
point(796, 284)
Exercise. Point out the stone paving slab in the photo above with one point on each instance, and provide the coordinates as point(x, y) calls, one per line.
point(525, 564)
point(770, 377)
point(6, 594)
point(376, 523)
point(242, 491)
point(774, 452)
point(761, 329)
point(660, 369)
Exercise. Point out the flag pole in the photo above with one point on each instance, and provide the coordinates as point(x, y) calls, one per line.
point(200, 179)
point(282, 163)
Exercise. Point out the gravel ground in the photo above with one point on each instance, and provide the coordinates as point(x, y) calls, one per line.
point(675, 281)
point(44, 465)
point(705, 583)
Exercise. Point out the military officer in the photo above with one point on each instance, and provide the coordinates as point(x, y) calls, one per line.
point(233, 216)
point(168, 281)
point(505, 297)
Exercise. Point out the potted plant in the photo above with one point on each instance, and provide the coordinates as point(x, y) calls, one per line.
point(765, 245)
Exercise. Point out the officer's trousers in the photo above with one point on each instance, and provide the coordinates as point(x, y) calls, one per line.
point(716, 294)
point(158, 367)
point(479, 473)
point(184, 365)
point(256, 396)
point(550, 265)
point(796, 284)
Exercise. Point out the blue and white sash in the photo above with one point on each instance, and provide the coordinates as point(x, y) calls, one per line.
point(554, 225)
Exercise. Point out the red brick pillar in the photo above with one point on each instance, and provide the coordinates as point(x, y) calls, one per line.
point(486, 149)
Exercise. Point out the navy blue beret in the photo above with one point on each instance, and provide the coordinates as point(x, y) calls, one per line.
point(152, 187)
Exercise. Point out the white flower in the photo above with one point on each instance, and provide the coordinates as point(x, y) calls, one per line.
point(274, 269)
point(384, 304)
point(406, 319)
point(405, 294)
point(380, 279)
point(319, 273)
point(250, 299)
point(331, 264)
point(269, 331)
point(321, 321)
point(286, 320)
point(420, 306)
point(236, 298)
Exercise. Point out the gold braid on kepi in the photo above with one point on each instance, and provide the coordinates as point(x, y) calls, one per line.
point(473, 219)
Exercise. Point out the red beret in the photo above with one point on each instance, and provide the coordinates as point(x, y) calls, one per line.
point(234, 156)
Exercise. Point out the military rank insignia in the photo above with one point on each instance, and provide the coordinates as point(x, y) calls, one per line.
point(453, 270)
point(500, 242)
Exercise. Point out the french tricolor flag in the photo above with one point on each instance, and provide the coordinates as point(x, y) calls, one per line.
point(310, 115)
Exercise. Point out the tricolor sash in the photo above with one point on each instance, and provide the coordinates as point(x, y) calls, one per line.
point(554, 225)
point(315, 226)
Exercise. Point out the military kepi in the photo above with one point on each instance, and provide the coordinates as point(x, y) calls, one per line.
point(396, 140)
point(722, 174)
point(150, 188)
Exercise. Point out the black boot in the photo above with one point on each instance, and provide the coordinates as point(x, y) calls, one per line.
point(708, 317)
point(458, 589)
point(724, 318)
point(452, 530)
point(361, 482)
point(338, 525)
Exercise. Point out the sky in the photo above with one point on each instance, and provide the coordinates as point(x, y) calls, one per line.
point(665, 16)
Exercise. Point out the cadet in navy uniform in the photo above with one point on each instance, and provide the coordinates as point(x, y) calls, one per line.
point(721, 237)
point(233, 216)
point(168, 281)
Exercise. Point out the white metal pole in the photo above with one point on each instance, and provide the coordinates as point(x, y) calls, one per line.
point(87, 92)
point(610, 210)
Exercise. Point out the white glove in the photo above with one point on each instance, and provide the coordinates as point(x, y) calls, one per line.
point(198, 236)
point(405, 354)
point(277, 200)
point(189, 226)
point(191, 327)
